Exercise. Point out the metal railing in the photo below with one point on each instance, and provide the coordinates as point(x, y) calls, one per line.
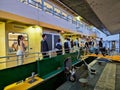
point(46, 9)
point(114, 51)
point(15, 60)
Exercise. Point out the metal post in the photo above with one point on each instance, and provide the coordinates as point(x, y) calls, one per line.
point(17, 60)
point(60, 14)
point(43, 5)
point(67, 17)
point(53, 10)
point(119, 42)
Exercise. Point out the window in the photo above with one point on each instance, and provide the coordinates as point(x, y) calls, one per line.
point(56, 37)
point(39, 1)
point(12, 42)
point(52, 39)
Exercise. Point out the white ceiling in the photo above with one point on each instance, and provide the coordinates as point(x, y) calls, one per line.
point(108, 11)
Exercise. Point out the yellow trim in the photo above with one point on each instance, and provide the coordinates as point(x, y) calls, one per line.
point(113, 58)
point(23, 85)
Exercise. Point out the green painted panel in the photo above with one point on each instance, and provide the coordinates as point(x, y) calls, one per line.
point(42, 67)
point(47, 65)
point(14, 74)
point(60, 59)
point(51, 84)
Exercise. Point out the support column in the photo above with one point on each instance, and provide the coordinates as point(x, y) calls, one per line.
point(53, 8)
point(2, 45)
point(119, 42)
point(43, 5)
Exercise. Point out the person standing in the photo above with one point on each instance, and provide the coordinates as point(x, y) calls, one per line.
point(76, 43)
point(87, 46)
point(67, 45)
point(59, 47)
point(44, 46)
point(101, 47)
point(72, 44)
point(21, 49)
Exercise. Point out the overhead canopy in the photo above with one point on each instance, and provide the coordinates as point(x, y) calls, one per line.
point(103, 14)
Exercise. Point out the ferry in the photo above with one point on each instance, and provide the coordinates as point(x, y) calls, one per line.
point(76, 21)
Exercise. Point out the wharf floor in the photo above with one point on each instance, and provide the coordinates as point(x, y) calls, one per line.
point(107, 78)
point(113, 58)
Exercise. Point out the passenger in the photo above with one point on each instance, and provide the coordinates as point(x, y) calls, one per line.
point(67, 45)
point(72, 44)
point(44, 46)
point(21, 49)
point(97, 49)
point(76, 42)
point(101, 47)
point(91, 42)
point(91, 46)
point(82, 42)
point(87, 46)
point(59, 47)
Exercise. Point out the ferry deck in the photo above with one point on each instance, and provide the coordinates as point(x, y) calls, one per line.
point(76, 21)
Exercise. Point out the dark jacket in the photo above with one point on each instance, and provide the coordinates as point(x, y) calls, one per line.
point(100, 44)
point(87, 45)
point(44, 46)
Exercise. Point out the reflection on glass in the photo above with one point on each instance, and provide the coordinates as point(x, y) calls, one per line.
point(12, 42)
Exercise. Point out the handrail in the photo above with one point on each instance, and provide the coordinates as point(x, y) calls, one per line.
point(38, 55)
point(18, 60)
point(39, 5)
point(49, 52)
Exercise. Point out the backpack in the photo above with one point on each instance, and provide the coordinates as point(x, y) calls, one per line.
point(58, 46)
point(66, 45)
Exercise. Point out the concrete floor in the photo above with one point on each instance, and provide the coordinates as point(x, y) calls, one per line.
point(83, 73)
point(94, 81)
point(117, 81)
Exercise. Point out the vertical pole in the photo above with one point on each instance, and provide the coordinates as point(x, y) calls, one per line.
point(119, 42)
point(60, 14)
point(38, 65)
point(53, 10)
point(17, 60)
point(43, 5)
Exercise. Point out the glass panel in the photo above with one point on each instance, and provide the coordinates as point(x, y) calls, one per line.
point(49, 41)
point(39, 1)
point(12, 42)
point(56, 37)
